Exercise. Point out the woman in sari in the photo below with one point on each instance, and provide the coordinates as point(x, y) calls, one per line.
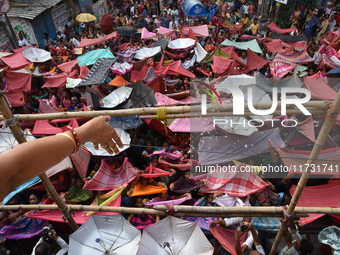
point(296, 16)
point(25, 227)
point(141, 221)
point(185, 185)
point(309, 27)
point(77, 194)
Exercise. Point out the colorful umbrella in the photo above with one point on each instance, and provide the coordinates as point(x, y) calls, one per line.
point(86, 17)
point(36, 55)
point(106, 23)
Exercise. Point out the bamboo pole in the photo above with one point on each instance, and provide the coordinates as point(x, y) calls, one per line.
point(180, 210)
point(212, 109)
point(320, 141)
point(18, 135)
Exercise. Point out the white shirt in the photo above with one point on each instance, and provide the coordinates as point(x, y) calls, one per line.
point(233, 222)
point(132, 9)
point(170, 24)
point(23, 42)
point(60, 242)
point(246, 9)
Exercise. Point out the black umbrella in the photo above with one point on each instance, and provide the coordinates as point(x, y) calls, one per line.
point(125, 30)
point(141, 96)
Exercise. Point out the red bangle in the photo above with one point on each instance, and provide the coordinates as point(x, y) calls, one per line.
point(75, 136)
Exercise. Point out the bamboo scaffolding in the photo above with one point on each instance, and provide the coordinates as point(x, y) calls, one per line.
point(18, 135)
point(320, 141)
point(180, 210)
point(316, 106)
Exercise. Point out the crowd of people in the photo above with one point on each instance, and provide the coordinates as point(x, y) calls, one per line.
point(153, 152)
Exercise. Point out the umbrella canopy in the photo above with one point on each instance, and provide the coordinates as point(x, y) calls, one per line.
point(334, 72)
point(36, 55)
point(141, 96)
point(147, 52)
point(8, 142)
point(119, 80)
point(126, 122)
point(106, 23)
point(236, 80)
point(181, 44)
point(125, 30)
point(174, 236)
point(124, 137)
point(85, 17)
point(116, 97)
point(105, 234)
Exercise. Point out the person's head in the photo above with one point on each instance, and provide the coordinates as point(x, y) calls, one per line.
point(154, 161)
point(74, 100)
point(45, 36)
point(210, 198)
point(246, 219)
point(303, 247)
point(12, 201)
point(192, 23)
point(187, 175)
point(139, 202)
point(33, 199)
point(164, 196)
point(65, 93)
point(174, 8)
point(208, 40)
point(40, 92)
point(336, 27)
point(255, 21)
point(42, 249)
point(149, 147)
point(143, 181)
point(243, 54)
point(246, 3)
point(311, 72)
point(21, 36)
point(266, 202)
point(166, 145)
point(79, 183)
point(60, 60)
point(297, 8)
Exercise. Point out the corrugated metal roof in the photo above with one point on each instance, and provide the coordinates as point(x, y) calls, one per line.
point(28, 9)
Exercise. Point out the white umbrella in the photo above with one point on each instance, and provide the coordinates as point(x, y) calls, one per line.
point(147, 52)
point(124, 137)
point(236, 80)
point(181, 43)
point(172, 236)
point(36, 55)
point(8, 142)
point(116, 97)
point(200, 52)
point(105, 234)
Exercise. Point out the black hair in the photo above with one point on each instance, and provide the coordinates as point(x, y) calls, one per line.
point(306, 247)
point(42, 249)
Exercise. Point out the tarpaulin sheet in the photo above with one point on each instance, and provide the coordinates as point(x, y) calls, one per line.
point(254, 61)
point(163, 43)
point(89, 42)
point(279, 69)
point(274, 46)
point(275, 28)
point(190, 35)
point(147, 35)
point(62, 165)
point(167, 32)
point(226, 237)
point(175, 55)
point(15, 61)
point(78, 216)
point(83, 71)
point(267, 85)
point(325, 164)
point(150, 75)
point(253, 45)
point(231, 52)
point(318, 196)
point(289, 38)
point(98, 72)
point(200, 52)
point(163, 100)
point(299, 46)
point(233, 182)
point(21, 49)
point(319, 89)
point(197, 30)
point(91, 57)
point(217, 52)
point(42, 127)
point(15, 99)
point(189, 62)
point(119, 80)
point(18, 81)
point(147, 52)
point(67, 66)
point(176, 68)
point(155, 172)
point(157, 85)
point(141, 96)
point(138, 75)
point(107, 178)
point(235, 147)
point(59, 80)
point(188, 125)
point(220, 65)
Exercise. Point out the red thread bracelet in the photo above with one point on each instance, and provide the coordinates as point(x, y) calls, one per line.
point(75, 136)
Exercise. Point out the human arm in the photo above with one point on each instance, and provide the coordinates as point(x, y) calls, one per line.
point(130, 217)
point(30, 159)
point(238, 248)
point(63, 245)
point(173, 185)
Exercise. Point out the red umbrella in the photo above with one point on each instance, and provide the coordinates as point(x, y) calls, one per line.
point(106, 23)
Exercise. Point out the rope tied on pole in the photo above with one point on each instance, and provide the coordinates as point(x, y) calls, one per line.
point(161, 116)
point(332, 112)
point(286, 215)
point(11, 121)
point(171, 210)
